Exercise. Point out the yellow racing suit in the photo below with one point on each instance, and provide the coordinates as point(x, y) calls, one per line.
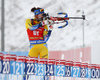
point(38, 36)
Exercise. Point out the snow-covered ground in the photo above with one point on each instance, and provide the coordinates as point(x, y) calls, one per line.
point(17, 11)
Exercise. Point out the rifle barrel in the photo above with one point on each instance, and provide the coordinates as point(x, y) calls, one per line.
point(62, 18)
point(75, 17)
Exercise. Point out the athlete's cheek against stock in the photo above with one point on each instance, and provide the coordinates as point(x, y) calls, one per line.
point(40, 16)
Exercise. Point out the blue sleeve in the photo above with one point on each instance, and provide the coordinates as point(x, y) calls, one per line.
point(48, 35)
point(34, 27)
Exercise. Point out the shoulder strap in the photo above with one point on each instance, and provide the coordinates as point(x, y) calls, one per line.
point(32, 22)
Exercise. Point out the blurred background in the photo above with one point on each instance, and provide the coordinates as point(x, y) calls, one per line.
point(70, 37)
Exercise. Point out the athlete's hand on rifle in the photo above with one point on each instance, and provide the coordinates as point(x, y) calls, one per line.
point(50, 27)
point(46, 22)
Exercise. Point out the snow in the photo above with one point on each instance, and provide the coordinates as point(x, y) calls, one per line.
point(17, 11)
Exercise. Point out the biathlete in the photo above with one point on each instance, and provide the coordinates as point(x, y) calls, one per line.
point(38, 34)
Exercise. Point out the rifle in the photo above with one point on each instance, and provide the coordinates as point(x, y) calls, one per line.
point(64, 19)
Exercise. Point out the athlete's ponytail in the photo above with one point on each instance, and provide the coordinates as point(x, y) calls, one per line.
point(33, 9)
